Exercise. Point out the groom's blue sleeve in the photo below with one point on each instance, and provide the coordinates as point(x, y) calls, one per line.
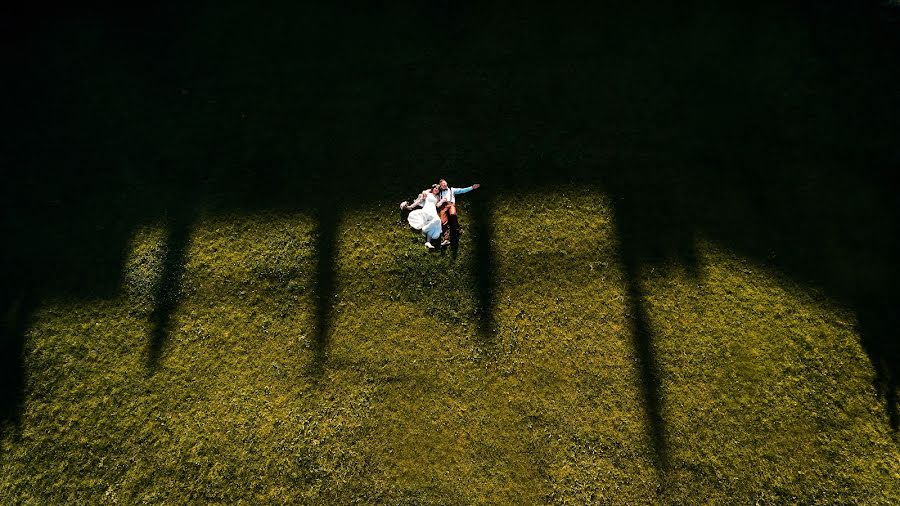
point(457, 191)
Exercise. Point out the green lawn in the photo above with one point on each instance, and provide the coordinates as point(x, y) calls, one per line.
point(765, 393)
point(677, 284)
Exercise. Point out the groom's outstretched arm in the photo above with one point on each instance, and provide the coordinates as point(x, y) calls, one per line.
point(467, 189)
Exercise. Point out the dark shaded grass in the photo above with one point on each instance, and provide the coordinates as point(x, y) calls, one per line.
point(326, 249)
point(484, 269)
point(168, 289)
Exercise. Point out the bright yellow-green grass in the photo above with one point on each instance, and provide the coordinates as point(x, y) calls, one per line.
point(765, 393)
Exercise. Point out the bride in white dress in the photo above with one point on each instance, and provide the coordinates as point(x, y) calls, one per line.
point(426, 219)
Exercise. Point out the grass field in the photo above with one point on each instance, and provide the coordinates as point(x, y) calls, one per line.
point(765, 393)
point(676, 285)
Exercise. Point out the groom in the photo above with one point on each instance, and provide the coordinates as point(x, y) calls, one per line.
point(447, 209)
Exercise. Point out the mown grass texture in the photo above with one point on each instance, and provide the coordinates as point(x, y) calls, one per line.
point(765, 392)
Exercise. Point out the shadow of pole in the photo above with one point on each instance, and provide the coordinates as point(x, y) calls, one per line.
point(642, 337)
point(17, 312)
point(484, 268)
point(168, 288)
point(878, 333)
point(326, 271)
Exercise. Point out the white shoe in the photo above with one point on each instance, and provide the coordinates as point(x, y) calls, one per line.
point(404, 204)
point(446, 242)
point(429, 245)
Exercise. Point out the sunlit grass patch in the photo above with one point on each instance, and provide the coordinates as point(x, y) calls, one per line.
point(767, 387)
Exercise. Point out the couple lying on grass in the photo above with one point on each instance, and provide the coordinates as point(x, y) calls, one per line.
point(434, 213)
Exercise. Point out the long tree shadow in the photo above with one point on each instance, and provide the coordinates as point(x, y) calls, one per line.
point(327, 222)
point(169, 287)
point(651, 231)
point(642, 340)
point(878, 325)
point(484, 269)
point(17, 312)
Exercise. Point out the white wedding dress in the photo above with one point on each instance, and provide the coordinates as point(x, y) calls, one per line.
point(426, 219)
